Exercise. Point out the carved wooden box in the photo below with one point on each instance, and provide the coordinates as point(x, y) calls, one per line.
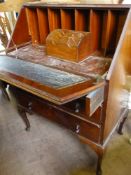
point(68, 44)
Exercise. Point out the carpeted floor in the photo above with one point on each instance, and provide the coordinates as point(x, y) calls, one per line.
point(49, 149)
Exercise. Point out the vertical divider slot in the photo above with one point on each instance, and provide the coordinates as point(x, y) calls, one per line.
point(95, 28)
point(81, 20)
point(109, 32)
point(68, 19)
point(43, 24)
point(32, 21)
point(104, 31)
point(121, 21)
point(54, 19)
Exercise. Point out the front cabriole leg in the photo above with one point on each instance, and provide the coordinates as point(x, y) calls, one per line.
point(99, 164)
point(120, 128)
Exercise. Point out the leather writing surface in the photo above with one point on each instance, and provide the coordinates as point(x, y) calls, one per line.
point(44, 75)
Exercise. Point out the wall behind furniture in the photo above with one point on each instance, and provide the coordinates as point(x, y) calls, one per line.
point(14, 5)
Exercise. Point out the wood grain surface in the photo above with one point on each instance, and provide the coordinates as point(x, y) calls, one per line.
point(69, 44)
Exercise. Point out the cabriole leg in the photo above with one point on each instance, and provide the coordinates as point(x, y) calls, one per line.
point(23, 115)
point(100, 154)
point(121, 125)
point(99, 163)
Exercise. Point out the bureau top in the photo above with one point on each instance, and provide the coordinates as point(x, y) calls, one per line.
point(77, 5)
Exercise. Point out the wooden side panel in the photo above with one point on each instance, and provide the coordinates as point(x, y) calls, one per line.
point(81, 20)
point(33, 25)
point(95, 29)
point(43, 24)
point(20, 34)
point(54, 19)
point(120, 67)
point(67, 19)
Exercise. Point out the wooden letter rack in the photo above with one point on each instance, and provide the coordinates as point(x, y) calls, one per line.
point(69, 44)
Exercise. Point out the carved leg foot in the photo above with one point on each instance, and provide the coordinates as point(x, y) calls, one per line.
point(23, 115)
point(121, 126)
point(99, 163)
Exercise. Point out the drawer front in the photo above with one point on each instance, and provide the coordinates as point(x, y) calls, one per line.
point(58, 115)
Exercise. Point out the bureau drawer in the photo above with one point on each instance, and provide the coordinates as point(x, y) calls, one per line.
point(59, 115)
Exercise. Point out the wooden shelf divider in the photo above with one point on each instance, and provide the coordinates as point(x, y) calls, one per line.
point(33, 25)
point(43, 24)
point(81, 20)
point(95, 28)
point(68, 19)
point(54, 19)
point(104, 19)
point(121, 21)
point(105, 25)
point(110, 36)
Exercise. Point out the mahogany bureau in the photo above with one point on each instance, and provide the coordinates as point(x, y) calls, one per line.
point(87, 96)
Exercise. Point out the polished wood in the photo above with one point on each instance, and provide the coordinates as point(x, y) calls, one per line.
point(120, 23)
point(95, 28)
point(54, 19)
point(92, 118)
point(59, 114)
point(69, 44)
point(118, 95)
point(43, 24)
point(81, 20)
point(33, 25)
point(94, 100)
point(122, 124)
point(22, 27)
point(110, 28)
point(22, 113)
point(67, 19)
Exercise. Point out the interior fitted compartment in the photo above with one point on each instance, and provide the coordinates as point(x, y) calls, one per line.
point(105, 25)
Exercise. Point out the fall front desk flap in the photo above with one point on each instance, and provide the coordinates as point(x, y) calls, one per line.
point(42, 79)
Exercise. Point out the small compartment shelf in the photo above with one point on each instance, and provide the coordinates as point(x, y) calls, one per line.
point(109, 31)
point(33, 25)
point(43, 24)
point(95, 28)
point(54, 18)
point(81, 20)
point(67, 19)
point(104, 25)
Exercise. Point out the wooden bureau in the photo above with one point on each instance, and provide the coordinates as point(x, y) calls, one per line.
point(87, 96)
